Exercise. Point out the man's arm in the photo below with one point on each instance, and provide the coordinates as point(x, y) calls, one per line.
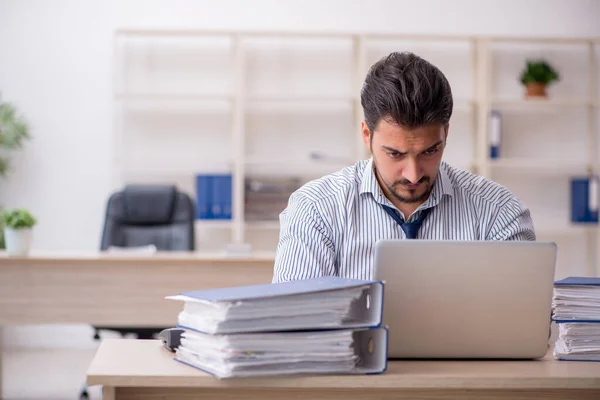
point(513, 222)
point(305, 248)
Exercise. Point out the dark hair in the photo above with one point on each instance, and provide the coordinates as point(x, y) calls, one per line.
point(407, 90)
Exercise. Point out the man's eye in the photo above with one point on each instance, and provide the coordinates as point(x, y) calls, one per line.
point(393, 154)
point(431, 151)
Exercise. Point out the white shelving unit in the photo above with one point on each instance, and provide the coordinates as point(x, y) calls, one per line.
point(259, 103)
point(547, 141)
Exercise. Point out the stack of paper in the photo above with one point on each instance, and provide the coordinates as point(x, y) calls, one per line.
point(576, 310)
point(317, 326)
point(578, 341)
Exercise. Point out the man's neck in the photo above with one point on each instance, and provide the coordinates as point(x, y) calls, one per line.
point(407, 209)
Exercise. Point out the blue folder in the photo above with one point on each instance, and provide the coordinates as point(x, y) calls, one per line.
point(579, 281)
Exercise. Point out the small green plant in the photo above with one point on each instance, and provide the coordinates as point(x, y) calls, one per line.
point(18, 219)
point(538, 71)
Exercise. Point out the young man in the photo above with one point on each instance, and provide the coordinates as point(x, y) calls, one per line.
point(331, 225)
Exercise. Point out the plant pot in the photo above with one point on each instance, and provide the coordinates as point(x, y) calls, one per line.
point(536, 90)
point(18, 241)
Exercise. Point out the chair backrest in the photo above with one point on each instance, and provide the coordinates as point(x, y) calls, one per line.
point(142, 215)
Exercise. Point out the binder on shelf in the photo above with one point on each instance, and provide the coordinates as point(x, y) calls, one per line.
point(214, 196)
point(495, 133)
point(319, 303)
point(221, 196)
point(584, 199)
point(203, 185)
point(347, 351)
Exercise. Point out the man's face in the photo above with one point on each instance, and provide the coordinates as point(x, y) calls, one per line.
point(406, 161)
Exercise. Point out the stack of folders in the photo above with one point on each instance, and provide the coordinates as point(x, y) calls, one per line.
point(576, 310)
point(324, 325)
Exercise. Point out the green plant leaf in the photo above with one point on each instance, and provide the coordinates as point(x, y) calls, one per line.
point(14, 131)
point(18, 218)
point(538, 71)
point(4, 166)
point(13, 128)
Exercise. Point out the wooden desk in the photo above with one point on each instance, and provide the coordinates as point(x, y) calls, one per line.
point(134, 369)
point(115, 289)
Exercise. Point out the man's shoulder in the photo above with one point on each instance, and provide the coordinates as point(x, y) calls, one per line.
point(477, 187)
point(342, 183)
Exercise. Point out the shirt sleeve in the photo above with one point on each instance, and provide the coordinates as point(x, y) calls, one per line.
point(513, 222)
point(305, 249)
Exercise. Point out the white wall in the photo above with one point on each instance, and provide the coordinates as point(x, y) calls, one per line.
point(55, 65)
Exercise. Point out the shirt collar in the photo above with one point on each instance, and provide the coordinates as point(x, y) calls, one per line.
point(442, 186)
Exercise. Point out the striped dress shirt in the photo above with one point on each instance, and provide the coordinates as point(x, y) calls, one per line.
point(330, 225)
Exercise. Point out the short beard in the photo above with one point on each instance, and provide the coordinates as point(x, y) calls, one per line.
point(408, 200)
point(411, 200)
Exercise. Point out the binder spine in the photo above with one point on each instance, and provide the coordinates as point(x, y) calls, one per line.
point(371, 347)
point(584, 199)
point(203, 196)
point(367, 312)
point(227, 187)
point(221, 196)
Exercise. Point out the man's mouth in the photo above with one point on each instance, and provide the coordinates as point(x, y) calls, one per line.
point(412, 186)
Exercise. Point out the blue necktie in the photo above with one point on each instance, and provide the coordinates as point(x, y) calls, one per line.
point(410, 228)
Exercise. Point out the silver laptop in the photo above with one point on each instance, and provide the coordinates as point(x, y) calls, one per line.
point(466, 299)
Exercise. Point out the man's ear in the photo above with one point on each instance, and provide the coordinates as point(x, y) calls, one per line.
point(366, 134)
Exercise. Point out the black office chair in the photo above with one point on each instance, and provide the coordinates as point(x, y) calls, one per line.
point(143, 215)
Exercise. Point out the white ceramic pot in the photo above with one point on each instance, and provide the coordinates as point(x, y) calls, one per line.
point(17, 241)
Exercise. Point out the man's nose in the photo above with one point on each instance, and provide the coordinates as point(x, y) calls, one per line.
point(411, 171)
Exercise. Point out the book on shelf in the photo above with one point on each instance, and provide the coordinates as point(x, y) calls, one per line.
point(325, 325)
point(576, 310)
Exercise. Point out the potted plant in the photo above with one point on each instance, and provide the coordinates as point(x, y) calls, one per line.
point(18, 224)
point(14, 130)
point(536, 76)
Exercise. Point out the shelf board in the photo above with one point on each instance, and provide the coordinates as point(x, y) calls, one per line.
point(182, 171)
point(173, 96)
point(548, 167)
point(301, 98)
point(199, 102)
point(293, 168)
point(541, 102)
point(296, 104)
